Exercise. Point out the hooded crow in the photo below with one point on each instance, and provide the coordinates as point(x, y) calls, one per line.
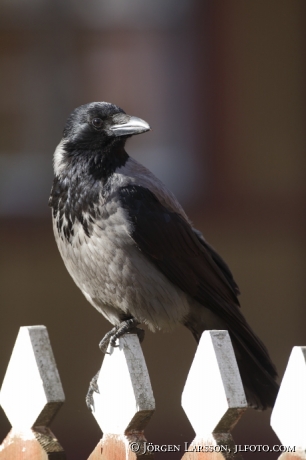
point(133, 252)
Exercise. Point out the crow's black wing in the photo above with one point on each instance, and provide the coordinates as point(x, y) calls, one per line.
point(170, 243)
point(219, 261)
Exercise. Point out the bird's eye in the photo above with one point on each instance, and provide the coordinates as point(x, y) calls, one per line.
point(97, 123)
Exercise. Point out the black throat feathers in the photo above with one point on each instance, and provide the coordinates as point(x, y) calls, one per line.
point(76, 193)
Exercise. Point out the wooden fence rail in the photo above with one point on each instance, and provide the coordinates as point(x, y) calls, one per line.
point(32, 394)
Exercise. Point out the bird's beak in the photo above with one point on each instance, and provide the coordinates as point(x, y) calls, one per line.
point(131, 127)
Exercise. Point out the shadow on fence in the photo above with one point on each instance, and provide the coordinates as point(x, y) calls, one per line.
point(214, 401)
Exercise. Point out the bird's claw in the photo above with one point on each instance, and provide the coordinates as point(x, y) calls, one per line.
point(107, 338)
point(127, 326)
point(93, 388)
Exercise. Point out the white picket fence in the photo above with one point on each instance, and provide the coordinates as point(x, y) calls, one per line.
point(213, 402)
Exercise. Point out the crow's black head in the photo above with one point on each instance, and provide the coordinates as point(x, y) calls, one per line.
point(93, 140)
point(100, 125)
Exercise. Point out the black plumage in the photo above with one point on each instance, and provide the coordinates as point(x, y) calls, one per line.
point(189, 262)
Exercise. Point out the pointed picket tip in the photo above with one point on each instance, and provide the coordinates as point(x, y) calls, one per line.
point(213, 398)
point(31, 392)
point(288, 417)
point(125, 401)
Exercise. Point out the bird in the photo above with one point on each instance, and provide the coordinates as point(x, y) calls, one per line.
point(131, 249)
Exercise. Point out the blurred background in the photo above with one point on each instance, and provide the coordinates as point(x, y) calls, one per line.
point(222, 85)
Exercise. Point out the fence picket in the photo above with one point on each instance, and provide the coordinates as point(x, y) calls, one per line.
point(125, 402)
point(213, 398)
point(31, 395)
point(288, 416)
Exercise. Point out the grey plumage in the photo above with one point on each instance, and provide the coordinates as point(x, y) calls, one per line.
point(131, 249)
point(104, 263)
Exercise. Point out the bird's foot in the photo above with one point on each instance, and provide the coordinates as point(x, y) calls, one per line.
point(105, 341)
point(127, 326)
point(93, 387)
